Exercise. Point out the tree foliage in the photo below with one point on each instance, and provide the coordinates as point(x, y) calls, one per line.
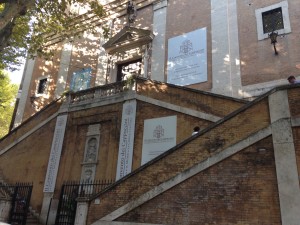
point(8, 92)
point(31, 26)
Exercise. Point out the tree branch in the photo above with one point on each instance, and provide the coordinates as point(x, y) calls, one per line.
point(13, 9)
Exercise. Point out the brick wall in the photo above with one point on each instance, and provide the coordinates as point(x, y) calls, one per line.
point(46, 69)
point(294, 101)
point(259, 64)
point(185, 125)
point(29, 124)
point(193, 99)
point(230, 131)
point(240, 190)
point(294, 104)
point(186, 16)
point(31, 155)
point(28, 160)
point(296, 135)
point(109, 118)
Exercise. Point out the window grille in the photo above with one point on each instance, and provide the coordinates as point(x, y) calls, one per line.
point(272, 20)
point(42, 86)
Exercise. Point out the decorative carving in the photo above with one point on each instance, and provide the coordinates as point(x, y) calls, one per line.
point(131, 13)
point(91, 154)
point(88, 175)
point(119, 43)
point(93, 129)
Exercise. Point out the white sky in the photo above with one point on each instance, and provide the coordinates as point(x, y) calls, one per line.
point(16, 76)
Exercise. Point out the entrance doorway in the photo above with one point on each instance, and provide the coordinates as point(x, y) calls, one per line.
point(129, 68)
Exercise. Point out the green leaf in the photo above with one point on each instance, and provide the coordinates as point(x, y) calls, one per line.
point(43, 20)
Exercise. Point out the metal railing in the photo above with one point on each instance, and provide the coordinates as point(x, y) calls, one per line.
point(19, 197)
point(71, 190)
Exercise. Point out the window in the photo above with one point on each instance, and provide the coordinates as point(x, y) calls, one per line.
point(129, 68)
point(274, 17)
point(81, 80)
point(42, 86)
point(272, 20)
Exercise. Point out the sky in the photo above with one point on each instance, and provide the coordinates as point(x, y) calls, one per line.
point(16, 76)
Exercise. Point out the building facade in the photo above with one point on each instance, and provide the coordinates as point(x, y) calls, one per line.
point(241, 168)
point(222, 48)
point(123, 109)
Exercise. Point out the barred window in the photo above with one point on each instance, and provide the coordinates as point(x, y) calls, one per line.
point(273, 17)
point(272, 20)
point(42, 86)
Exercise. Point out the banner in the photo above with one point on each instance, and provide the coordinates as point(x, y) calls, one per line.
point(55, 153)
point(159, 136)
point(187, 58)
point(126, 139)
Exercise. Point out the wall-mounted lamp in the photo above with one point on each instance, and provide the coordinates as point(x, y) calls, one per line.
point(273, 36)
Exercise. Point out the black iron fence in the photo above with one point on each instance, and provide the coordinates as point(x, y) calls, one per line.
point(70, 191)
point(19, 197)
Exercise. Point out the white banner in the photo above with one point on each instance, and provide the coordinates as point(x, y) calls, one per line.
point(187, 58)
point(55, 153)
point(159, 136)
point(126, 139)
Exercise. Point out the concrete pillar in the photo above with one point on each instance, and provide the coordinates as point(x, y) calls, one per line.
point(63, 69)
point(285, 158)
point(81, 212)
point(225, 48)
point(53, 165)
point(146, 62)
point(5, 206)
point(102, 64)
point(159, 41)
point(46, 207)
point(25, 84)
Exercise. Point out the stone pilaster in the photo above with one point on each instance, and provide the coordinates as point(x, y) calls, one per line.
point(285, 158)
point(81, 211)
point(63, 69)
point(25, 84)
point(226, 72)
point(53, 165)
point(159, 41)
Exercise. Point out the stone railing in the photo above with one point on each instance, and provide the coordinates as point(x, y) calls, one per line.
point(101, 91)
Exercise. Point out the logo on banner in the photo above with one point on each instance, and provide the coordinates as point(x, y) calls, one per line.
point(158, 132)
point(159, 136)
point(186, 47)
